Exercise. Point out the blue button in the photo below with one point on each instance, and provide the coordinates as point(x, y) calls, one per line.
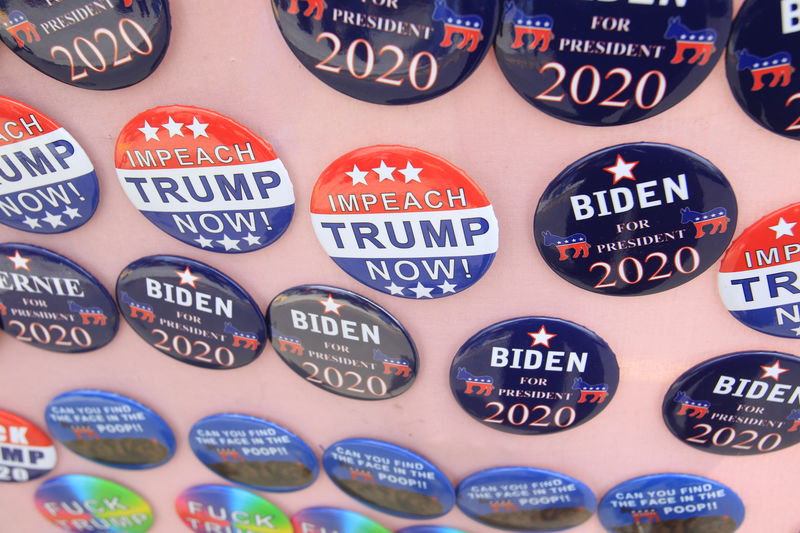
point(330, 519)
point(205, 508)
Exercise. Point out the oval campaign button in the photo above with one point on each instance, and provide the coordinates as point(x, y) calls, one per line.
point(110, 429)
point(205, 508)
point(534, 375)
point(48, 182)
point(204, 179)
point(671, 502)
point(319, 519)
point(342, 342)
point(389, 478)
point(385, 51)
point(404, 222)
point(525, 499)
point(758, 272)
point(191, 312)
point(27, 451)
point(744, 403)
point(761, 63)
point(253, 452)
point(635, 219)
point(52, 303)
point(108, 44)
point(602, 63)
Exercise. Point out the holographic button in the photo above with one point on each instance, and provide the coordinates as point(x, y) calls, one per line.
point(385, 51)
point(603, 63)
point(429, 529)
point(404, 222)
point(50, 302)
point(761, 63)
point(191, 312)
point(331, 519)
point(744, 403)
point(47, 182)
point(635, 219)
point(110, 429)
point(389, 478)
point(206, 508)
point(91, 504)
point(671, 502)
point(253, 452)
point(525, 499)
point(534, 375)
point(26, 452)
point(107, 44)
point(204, 179)
point(758, 275)
point(342, 342)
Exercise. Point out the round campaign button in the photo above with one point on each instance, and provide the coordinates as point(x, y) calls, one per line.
point(204, 179)
point(525, 499)
point(205, 508)
point(253, 452)
point(26, 452)
point(342, 342)
point(671, 502)
point(389, 478)
point(110, 429)
point(404, 222)
point(534, 375)
point(385, 51)
point(744, 403)
point(599, 63)
point(47, 182)
point(429, 529)
point(52, 303)
point(107, 44)
point(191, 312)
point(758, 272)
point(331, 519)
point(635, 219)
point(85, 503)
point(761, 63)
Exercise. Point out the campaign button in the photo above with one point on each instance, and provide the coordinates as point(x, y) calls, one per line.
point(635, 219)
point(205, 508)
point(324, 519)
point(534, 375)
point(603, 63)
point(744, 403)
point(50, 302)
point(385, 51)
point(525, 499)
point(758, 274)
point(102, 45)
point(671, 502)
point(253, 452)
point(404, 222)
point(204, 179)
point(389, 478)
point(429, 529)
point(110, 429)
point(191, 312)
point(26, 452)
point(761, 63)
point(342, 342)
point(48, 182)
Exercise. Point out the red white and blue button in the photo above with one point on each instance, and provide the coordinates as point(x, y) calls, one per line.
point(26, 452)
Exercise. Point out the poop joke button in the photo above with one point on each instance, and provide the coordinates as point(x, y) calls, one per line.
point(26, 451)
point(323, 519)
point(206, 508)
point(204, 179)
point(404, 222)
point(635, 219)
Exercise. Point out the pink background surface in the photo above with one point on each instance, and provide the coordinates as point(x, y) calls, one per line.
point(237, 63)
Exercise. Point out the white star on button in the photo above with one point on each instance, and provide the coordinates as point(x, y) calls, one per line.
point(622, 169)
point(19, 261)
point(783, 228)
point(421, 290)
point(541, 337)
point(252, 240)
point(228, 243)
point(358, 175)
point(773, 371)
point(71, 212)
point(330, 305)
point(53, 220)
point(149, 132)
point(395, 289)
point(796, 331)
point(31, 222)
point(187, 278)
point(384, 172)
point(174, 128)
point(204, 242)
point(198, 128)
point(447, 287)
point(411, 173)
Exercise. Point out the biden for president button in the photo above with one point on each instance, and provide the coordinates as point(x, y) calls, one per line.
point(50, 302)
point(534, 375)
point(389, 51)
point(26, 452)
point(47, 182)
point(205, 508)
point(635, 219)
point(324, 519)
point(404, 222)
point(761, 62)
point(191, 312)
point(743, 403)
point(342, 342)
point(204, 179)
point(107, 44)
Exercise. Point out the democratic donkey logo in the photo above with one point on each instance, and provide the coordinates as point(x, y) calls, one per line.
point(717, 219)
point(575, 243)
point(314, 6)
point(540, 27)
point(468, 27)
point(691, 408)
point(700, 42)
point(597, 393)
point(476, 384)
point(779, 66)
point(18, 24)
point(397, 365)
